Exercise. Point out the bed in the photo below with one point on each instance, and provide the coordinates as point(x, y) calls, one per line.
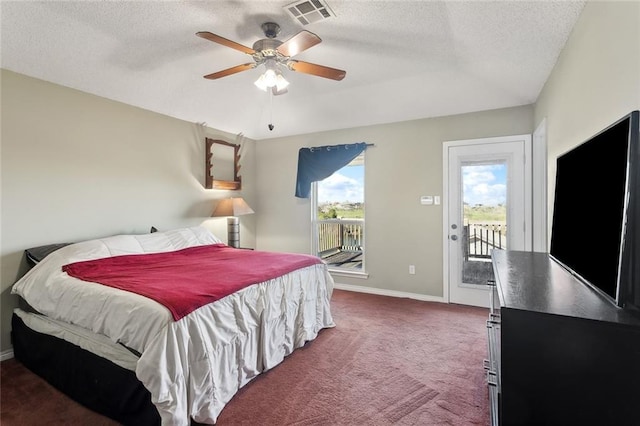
point(110, 340)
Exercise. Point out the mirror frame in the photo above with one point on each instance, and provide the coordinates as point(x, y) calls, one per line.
point(210, 181)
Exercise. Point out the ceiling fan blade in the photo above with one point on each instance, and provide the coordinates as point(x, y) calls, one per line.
point(319, 70)
point(225, 42)
point(229, 71)
point(298, 43)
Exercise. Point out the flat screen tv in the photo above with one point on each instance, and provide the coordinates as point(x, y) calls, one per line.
point(596, 225)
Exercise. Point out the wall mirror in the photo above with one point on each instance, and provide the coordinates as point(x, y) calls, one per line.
point(222, 165)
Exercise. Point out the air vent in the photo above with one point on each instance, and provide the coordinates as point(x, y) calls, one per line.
point(309, 11)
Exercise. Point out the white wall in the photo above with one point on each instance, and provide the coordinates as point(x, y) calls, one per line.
point(76, 166)
point(596, 79)
point(405, 164)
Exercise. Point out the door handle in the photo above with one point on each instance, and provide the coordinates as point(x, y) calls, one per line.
point(454, 237)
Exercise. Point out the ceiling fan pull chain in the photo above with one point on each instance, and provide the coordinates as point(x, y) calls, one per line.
point(270, 126)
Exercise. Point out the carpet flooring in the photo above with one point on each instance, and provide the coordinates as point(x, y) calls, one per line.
point(388, 361)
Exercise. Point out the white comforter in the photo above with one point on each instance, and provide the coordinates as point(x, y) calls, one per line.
point(193, 366)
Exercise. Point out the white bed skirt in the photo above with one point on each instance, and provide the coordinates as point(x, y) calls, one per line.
point(199, 363)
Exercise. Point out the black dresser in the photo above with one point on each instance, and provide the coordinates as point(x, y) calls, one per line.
point(559, 352)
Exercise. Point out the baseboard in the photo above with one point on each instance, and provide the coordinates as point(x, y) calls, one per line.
point(391, 293)
point(5, 355)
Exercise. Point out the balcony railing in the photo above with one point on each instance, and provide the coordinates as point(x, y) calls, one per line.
point(480, 238)
point(340, 241)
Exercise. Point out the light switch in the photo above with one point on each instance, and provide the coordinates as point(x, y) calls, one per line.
point(436, 199)
point(426, 200)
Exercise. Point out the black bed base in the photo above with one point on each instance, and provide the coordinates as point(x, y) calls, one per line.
point(89, 379)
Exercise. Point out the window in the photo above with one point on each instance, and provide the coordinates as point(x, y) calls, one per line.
point(484, 217)
point(338, 218)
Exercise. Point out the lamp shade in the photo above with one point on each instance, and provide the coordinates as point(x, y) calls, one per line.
point(232, 207)
point(272, 77)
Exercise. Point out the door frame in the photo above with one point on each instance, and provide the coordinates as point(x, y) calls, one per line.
point(539, 179)
point(527, 160)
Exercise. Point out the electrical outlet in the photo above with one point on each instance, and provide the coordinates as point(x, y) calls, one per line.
point(412, 269)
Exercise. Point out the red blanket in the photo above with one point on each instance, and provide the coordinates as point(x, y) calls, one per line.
point(187, 279)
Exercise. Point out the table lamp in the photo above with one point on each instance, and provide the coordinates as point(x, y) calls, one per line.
point(232, 208)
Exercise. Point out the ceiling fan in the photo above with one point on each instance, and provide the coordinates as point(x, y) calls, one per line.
point(274, 54)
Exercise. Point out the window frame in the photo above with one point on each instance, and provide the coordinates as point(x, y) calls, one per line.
point(336, 270)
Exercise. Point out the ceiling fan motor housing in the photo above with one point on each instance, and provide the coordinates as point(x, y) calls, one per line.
point(266, 45)
point(266, 49)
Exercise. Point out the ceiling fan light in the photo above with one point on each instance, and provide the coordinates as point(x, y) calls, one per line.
point(261, 84)
point(270, 77)
point(281, 82)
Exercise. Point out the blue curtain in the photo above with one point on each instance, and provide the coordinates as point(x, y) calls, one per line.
point(318, 163)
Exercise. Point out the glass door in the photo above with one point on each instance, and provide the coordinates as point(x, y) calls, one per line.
point(487, 207)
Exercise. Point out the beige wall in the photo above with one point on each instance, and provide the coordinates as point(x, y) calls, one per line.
point(405, 164)
point(76, 166)
point(595, 81)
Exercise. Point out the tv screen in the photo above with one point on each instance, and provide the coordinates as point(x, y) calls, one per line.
point(592, 215)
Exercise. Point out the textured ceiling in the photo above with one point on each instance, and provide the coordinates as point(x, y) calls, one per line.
point(404, 59)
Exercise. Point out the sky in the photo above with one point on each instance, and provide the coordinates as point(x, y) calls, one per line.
point(347, 184)
point(485, 184)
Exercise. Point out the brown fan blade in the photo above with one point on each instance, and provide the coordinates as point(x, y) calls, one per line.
point(225, 42)
point(319, 70)
point(230, 71)
point(298, 43)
